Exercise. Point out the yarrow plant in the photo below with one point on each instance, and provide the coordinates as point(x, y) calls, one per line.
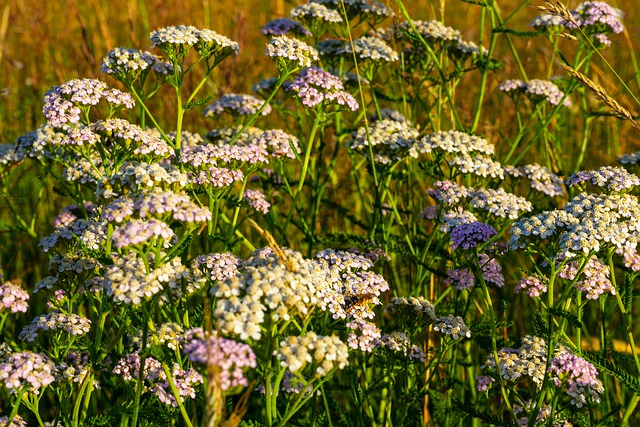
point(359, 242)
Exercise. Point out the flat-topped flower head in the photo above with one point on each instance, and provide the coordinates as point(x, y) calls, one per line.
point(128, 280)
point(390, 140)
point(449, 193)
point(231, 357)
point(313, 13)
point(277, 143)
point(257, 200)
point(138, 232)
point(26, 369)
point(13, 298)
point(432, 31)
point(175, 41)
point(613, 178)
point(533, 286)
point(469, 236)
point(325, 352)
point(477, 164)
point(453, 142)
point(597, 17)
point(64, 104)
point(536, 91)
point(630, 159)
point(217, 266)
point(366, 10)
point(283, 26)
point(314, 87)
point(500, 203)
point(290, 54)
point(237, 105)
point(452, 326)
point(127, 64)
point(577, 377)
point(370, 48)
point(212, 44)
point(594, 277)
point(70, 323)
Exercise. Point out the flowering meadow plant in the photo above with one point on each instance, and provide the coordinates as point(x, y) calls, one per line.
point(345, 246)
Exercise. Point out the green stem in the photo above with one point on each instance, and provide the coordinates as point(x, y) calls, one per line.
point(305, 166)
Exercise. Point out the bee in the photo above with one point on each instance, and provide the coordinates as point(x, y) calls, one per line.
point(353, 301)
point(282, 255)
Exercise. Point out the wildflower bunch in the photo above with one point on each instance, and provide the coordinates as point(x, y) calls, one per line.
point(156, 380)
point(290, 54)
point(231, 358)
point(72, 324)
point(325, 352)
point(315, 87)
point(25, 369)
point(13, 298)
point(389, 140)
point(536, 91)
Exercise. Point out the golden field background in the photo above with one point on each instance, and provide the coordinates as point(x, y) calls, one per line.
point(45, 43)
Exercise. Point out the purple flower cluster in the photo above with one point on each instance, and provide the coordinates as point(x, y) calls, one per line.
point(231, 357)
point(212, 154)
point(314, 87)
point(63, 104)
point(282, 26)
point(156, 378)
point(469, 236)
point(579, 376)
point(160, 204)
point(139, 231)
point(597, 16)
point(532, 286)
point(616, 179)
point(596, 277)
point(216, 177)
point(257, 200)
point(25, 368)
point(13, 298)
point(461, 278)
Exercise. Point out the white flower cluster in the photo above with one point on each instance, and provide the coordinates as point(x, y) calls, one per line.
point(452, 326)
point(327, 352)
point(128, 281)
point(70, 323)
point(315, 12)
point(588, 222)
point(390, 140)
point(370, 48)
point(290, 52)
point(453, 142)
point(500, 203)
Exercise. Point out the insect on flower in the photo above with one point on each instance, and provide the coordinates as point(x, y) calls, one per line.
point(354, 301)
point(282, 255)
